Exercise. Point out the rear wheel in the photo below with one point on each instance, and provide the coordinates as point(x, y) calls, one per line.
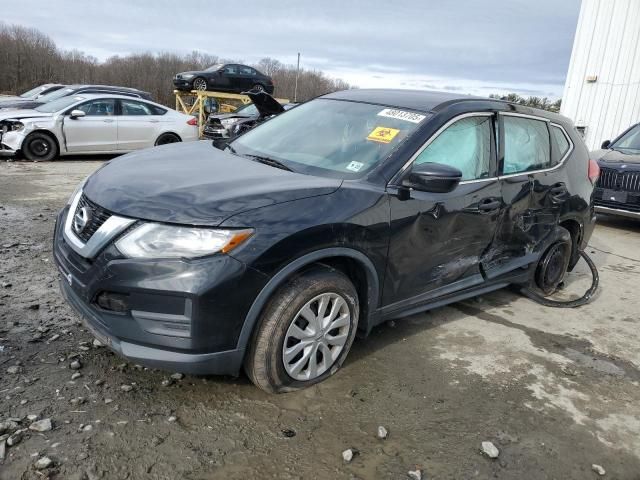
point(40, 147)
point(200, 84)
point(305, 332)
point(166, 138)
point(258, 88)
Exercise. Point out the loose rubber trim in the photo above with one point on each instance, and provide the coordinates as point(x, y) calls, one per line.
point(583, 300)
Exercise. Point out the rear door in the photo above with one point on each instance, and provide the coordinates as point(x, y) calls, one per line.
point(529, 187)
point(138, 125)
point(97, 131)
point(439, 240)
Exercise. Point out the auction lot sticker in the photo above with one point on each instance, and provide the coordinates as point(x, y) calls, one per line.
point(383, 134)
point(402, 115)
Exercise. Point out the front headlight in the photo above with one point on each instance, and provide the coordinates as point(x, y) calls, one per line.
point(187, 76)
point(154, 240)
point(227, 122)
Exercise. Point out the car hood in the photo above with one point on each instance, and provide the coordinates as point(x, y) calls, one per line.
point(196, 184)
point(22, 114)
point(614, 158)
point(265, 103)
point(194, 72)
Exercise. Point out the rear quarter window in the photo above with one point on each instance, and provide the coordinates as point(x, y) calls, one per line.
point(560, 144)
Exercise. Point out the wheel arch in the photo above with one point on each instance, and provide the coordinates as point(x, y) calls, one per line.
point(353, 263)
point(168, 132)
point(575, 229)
point(46, 132)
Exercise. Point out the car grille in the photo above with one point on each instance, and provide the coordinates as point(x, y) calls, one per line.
point(98, 216)
point(615, 180)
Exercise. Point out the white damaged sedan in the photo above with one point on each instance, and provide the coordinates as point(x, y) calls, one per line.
point(92, 124)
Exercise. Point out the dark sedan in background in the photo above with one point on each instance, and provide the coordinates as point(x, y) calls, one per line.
point(228, 77)
point(30, 103)
point(618, 189)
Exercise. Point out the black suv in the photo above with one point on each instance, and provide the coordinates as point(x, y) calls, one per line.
point(352, 209)
point(229, 77)
point(28, 103)
point(618, 189)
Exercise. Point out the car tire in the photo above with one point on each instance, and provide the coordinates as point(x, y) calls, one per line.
point(40, 147)
point(258, 88)
point(281, 325)
point(200, 84)
point(167, 138)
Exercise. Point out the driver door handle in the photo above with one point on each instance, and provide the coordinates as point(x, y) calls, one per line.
point(108, 120)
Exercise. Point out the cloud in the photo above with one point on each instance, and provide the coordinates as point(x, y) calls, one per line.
point(504, 42)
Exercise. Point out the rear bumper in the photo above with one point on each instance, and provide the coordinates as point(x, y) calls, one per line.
point(617, 211)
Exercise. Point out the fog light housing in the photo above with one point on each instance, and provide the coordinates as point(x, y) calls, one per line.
point(115, 302)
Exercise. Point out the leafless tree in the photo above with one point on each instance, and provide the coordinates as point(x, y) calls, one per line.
point(29, 58)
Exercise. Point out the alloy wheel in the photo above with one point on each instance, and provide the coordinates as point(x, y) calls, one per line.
point(316, 336)
point(258, 88)
point(200, 84)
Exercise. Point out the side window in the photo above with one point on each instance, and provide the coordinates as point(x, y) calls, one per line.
point(247, 71)
point(102, 107)
point(466, 145)
point(560, 144)
point(230, 70)
point(526, 145)
point(131, 107)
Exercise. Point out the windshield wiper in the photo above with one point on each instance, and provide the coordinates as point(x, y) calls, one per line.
point(271, 162)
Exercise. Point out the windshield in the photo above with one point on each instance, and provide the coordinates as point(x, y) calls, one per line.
point(33, 93)
point(214, 68)
point(249, 109)
point(629, 141)
point(63, 92)
point(59, 104)
point(330, 138)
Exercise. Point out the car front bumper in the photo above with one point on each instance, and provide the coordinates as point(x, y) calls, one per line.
point(181, 84)
point(180, 315)
point(617, 211)
point(10, 143)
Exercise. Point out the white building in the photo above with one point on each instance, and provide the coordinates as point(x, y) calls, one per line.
point(602, 90)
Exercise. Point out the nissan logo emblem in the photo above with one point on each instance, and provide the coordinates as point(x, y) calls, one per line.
point(81, 219)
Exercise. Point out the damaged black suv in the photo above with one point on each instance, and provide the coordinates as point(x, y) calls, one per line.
point(352, 209)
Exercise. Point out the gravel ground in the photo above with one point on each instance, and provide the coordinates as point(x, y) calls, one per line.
point(556, 391)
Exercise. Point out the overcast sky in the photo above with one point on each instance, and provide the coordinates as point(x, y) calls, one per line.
point(472, 46)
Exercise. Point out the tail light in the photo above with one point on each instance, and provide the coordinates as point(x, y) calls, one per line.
point(193, 121)
point(594, 171)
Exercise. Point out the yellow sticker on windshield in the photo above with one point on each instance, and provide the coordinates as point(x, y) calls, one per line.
point(383, 134)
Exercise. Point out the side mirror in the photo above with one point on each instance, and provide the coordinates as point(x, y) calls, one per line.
point(432, 177)
point(606, 144)
point(76, 114)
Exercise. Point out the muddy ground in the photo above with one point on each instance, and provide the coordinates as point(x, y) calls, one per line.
point(555, 390)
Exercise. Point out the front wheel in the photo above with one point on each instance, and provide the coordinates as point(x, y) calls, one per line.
point(39, 147)
point(200, 84)
point(305, 332)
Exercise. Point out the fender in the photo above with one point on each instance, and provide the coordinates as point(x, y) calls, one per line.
point(278, 279)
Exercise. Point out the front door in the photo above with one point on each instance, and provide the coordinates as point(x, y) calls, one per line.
point(439, 240)
point(97, 131)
